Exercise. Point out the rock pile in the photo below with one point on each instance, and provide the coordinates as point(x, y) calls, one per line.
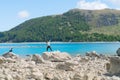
point(59, 66)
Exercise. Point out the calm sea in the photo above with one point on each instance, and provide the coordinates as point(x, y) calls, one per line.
point(72, 48)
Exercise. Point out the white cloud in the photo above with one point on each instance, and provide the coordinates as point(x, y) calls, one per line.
point(94, 5)
point(23, 14)
point(115, 2)
point(118, 8)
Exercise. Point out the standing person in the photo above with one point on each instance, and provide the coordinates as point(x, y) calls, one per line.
point(48, 46)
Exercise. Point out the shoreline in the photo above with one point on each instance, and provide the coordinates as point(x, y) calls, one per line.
point(23, 55)
point(72, 48)
point(58, 42)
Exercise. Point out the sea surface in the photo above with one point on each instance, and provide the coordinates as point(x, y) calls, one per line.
point(73, 48)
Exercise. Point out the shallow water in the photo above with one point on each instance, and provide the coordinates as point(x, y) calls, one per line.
point(72, 48)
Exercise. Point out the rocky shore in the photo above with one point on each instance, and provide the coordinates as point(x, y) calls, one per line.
point(59, 66)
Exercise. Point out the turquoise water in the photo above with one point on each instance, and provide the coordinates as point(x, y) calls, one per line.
point(72, 48)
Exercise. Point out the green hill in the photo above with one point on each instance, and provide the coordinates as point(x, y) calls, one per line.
point(74, 25)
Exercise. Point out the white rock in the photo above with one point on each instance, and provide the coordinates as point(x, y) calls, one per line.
point(49, 76)
point(115, 78)
point(37, 58)
point(8, 77)
point(37, 76)
point(92, 54)
point(10, 55)
point(56, 56)
point(77, 77)
point(66, 67)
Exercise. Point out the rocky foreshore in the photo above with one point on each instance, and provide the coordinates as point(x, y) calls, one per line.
point(59, 66)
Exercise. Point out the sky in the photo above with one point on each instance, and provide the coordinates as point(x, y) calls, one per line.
point(15, 12)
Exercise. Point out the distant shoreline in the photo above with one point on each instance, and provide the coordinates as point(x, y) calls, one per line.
point(57, 42)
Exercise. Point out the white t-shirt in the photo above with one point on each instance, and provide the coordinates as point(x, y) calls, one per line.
point(48, 43)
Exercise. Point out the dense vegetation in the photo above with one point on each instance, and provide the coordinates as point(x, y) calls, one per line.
point(74, 25)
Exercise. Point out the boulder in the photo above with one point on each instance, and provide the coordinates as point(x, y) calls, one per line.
point(6, 60)
point(64, 67)
point(72, 63)
point(67, 66)
point(37, 58)
point(84, 59)
point(2, 60)
point(52, 76)
point(49, 76)
point(37, 75)
point(77, 76)
point(89, 76)
point(10, 55)
point(56, 56)
point(118, 51)
point(8, 77)
point(107, 66)
point(92, 54)
point(114, 66)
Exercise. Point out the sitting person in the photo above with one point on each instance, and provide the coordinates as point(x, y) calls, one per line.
point(11, 50)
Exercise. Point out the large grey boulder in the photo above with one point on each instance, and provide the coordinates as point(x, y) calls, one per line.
point(56, 56)
point(114, 67)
